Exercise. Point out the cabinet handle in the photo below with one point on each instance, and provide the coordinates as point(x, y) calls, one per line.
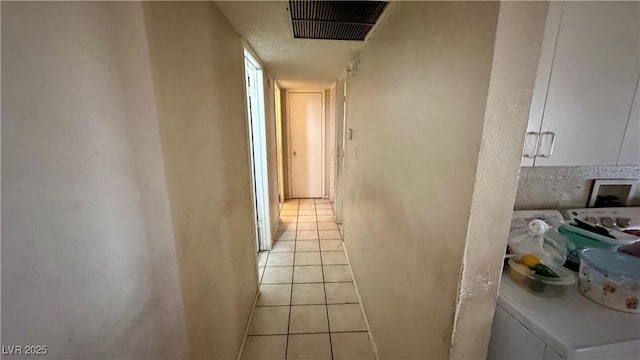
point(530, 144)
point(546, 143)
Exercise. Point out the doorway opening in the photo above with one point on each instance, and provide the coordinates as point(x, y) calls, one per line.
point(254, 82)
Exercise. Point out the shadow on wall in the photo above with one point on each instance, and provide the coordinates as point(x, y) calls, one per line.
point(411, 167)
point(88, 255)
point(197, 64)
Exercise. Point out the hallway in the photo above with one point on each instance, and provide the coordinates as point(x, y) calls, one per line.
point(308, 306)
point(148, 148)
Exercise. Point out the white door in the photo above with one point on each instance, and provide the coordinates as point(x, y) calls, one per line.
point(305, 144)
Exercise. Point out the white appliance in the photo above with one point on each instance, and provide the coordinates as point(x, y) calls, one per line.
point(624, 218)
point(528, 326)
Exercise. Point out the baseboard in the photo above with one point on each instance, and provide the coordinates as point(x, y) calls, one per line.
point(364, 313)
point(246, 330)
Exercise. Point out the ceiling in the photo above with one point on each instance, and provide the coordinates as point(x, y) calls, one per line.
point(294, 63)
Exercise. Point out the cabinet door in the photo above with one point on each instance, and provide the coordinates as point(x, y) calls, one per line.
point(510, 340)
point(593, 79)
point(542, 82)
point(630, 151)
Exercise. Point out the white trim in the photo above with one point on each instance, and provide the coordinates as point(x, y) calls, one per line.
point(372, 341)
point(255, 60)
point(323, 146)
point(633, 185)
point(341, 156)
point(332, 143)
point(246, 328)
point(259, 161)
point(250, 156)
point(322, 138)
point(277, 98)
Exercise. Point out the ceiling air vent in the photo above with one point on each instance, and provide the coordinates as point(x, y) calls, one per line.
point(334, 20)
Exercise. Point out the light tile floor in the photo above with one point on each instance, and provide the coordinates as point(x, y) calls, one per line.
point(308, 306)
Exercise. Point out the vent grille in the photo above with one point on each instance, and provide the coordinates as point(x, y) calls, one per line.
point(334, 20)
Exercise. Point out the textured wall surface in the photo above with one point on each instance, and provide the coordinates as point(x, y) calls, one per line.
point(416, 106)
point(89, 263)
point(513, 73)
point(197, 64)
point(566, 187)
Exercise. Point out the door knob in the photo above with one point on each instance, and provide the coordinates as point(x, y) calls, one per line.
point(294, 153)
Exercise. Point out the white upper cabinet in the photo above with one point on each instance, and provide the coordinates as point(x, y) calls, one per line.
point(630, 151)
point(542, 83)
point(589, 68)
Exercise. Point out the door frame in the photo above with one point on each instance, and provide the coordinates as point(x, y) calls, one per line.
point(332, 144)
point(341, 143)
point(322, 138)
point(277, 98)
point(257, 140)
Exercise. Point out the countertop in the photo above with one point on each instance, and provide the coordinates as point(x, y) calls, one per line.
point(574, 326)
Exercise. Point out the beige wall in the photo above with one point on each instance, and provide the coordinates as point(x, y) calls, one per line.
point(89, 263)
point(513, 73)
point(416, 106)
point(197, 63)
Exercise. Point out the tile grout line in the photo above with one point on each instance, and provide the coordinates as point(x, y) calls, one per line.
point(363, 312)
point(265, 269)
point(293, 270)
point(314, 333)
point(324, 286)
point(255, 302)
point(310, 282)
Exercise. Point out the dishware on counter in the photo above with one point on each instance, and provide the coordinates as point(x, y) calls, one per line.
point(580, 239)
point(541, 239)
point(631, 249)
point(610, 278)
point(601, 233)
point(539, 282)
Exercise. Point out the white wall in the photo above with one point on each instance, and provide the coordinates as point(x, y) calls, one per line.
point(197, 68)
point(416, 106)
point(88, 255)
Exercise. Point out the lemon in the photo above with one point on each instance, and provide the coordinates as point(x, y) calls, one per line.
point(531, 261)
